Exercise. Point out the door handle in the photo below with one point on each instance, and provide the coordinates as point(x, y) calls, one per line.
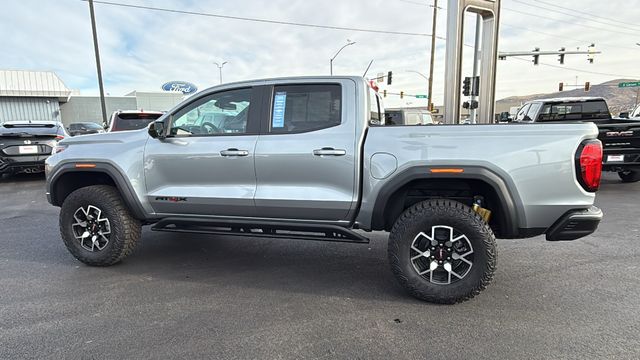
point(329, 151)
point(234, 152)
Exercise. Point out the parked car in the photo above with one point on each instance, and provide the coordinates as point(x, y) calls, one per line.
point(131, 119)
point(620, 137)
point(24, 145)
point(84, 128)
point(407, 116)
point(303, 158)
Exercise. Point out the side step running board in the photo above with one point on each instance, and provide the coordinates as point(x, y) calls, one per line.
point(285, 230)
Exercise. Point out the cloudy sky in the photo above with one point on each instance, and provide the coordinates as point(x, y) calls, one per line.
point(141, 49)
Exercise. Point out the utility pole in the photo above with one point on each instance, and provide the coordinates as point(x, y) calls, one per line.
point(220, 69)
point(95, 47)
point(433, 54)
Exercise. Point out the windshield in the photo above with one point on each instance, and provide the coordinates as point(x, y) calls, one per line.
point(582, 110)
point(134, 121)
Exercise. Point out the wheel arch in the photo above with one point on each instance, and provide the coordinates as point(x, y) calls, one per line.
point(69, 178)
point(505, 206)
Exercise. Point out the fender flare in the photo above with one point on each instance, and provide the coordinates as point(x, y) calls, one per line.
point(124, 187)
point(509, 199)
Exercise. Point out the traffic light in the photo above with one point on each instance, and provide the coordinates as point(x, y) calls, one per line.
point(466, 86)
point(465, 105)
point(401, 94)
point(475, 89)
point(384, 93)
point(473, 104)
point(591, 53)
point(560, 86)
point(587, 86)
point(389, 74)
point(561, 57)
point(536, 58)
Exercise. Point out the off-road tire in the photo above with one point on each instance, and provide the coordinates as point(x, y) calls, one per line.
point(420, 218)
point(629, 176)
point(125, 229)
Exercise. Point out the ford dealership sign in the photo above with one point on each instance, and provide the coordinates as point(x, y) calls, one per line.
point(181, 86)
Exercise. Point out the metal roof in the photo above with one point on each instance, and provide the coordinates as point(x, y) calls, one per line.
point(23, 83)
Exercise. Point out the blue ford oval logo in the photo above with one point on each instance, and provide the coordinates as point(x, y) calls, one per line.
point(181, 86)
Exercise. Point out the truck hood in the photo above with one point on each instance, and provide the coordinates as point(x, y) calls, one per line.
point(109, 137)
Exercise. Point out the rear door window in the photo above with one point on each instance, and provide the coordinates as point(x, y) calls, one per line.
point(304, 108)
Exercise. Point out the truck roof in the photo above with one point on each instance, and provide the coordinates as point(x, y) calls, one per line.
point(570, 99)
point(266, 81)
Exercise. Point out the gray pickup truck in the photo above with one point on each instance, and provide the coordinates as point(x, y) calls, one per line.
point(310, 158)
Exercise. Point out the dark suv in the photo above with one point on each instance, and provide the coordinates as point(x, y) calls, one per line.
point(25, 145)
point(131, 119)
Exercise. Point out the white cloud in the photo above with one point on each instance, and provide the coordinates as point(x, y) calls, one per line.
point(142, 49)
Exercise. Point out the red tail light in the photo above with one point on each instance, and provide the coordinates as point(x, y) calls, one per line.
point(589, 165)
point(59, 137)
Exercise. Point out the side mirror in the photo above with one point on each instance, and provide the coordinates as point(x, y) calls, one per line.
point(105, 125)
point(624, 115)
point(156, 129)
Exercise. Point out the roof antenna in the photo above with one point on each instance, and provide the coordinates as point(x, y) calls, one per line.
point(365, 72)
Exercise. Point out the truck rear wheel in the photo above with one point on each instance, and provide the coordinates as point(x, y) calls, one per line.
point(628, 176)
point(442, 251)
point(96, 226)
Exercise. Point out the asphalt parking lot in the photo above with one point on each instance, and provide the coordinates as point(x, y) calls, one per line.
point(197, 296)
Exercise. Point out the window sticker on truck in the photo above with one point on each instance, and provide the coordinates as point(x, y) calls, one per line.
point(278, 109)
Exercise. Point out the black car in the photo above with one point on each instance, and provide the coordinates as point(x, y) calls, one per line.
point(24, 145)
point(84, 128)
point(620, 137)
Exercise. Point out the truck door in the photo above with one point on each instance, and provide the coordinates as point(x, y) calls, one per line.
point(306, 153)
point(206, 164)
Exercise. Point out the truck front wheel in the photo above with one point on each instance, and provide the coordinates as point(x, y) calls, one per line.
point(97, 227)
point(628, 176)
point(442, 251)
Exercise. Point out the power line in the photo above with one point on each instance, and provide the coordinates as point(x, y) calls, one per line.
point(569, 38)
point(615, 21)
point(538, 7)
point(266, 21)
point(578, 70)
point(535, 31)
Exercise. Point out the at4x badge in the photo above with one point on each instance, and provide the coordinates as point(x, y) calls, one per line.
point(171, 198)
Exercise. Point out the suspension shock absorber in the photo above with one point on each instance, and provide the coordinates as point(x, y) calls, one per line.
point(478, 206)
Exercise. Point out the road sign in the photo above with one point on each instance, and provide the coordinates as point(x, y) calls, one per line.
point(421, 96)
point(629, 84)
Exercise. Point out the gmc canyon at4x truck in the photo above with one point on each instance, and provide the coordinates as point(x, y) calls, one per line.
point(310, 158)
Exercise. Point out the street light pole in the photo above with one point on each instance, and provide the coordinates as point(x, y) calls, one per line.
point(349, 42)
point(433, 54)
point(98, 67)
point(429, 103)
point(220, 69)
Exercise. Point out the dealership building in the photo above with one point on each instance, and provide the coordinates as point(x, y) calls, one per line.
point(42, 95)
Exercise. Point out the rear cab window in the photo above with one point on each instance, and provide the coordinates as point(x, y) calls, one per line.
point(133, 121)
point(579, 110)
point(305, 107)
